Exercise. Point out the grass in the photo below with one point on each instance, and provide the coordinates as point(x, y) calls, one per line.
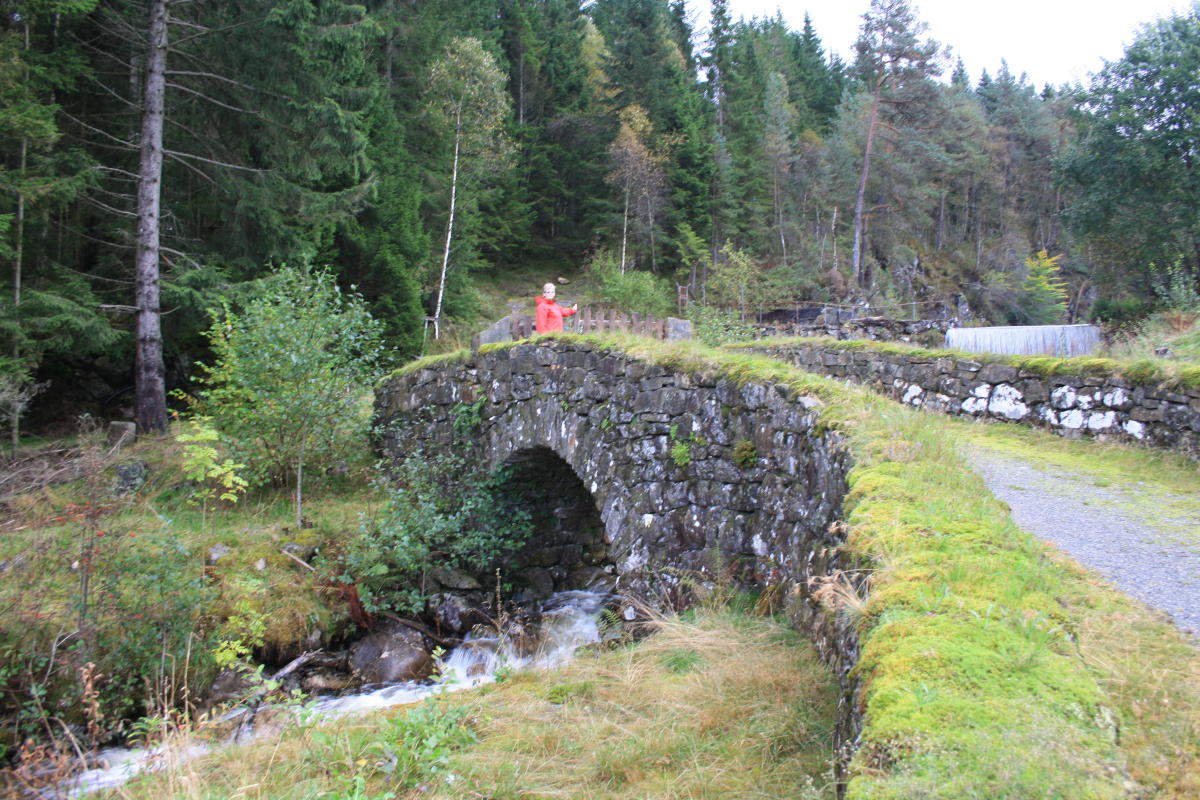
point(147, 571)
point(1177, 330)
point(718, 705)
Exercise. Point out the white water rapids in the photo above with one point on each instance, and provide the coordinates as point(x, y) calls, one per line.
point(569, 621)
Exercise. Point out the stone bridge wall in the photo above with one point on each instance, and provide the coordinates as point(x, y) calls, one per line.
point(691, 474)
point(1081, 404)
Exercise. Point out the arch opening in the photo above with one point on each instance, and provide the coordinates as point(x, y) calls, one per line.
point(567, 548)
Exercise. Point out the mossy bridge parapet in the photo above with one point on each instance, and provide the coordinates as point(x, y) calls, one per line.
point(690, 474)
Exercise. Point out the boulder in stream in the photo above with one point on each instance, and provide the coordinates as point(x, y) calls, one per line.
point(392, 654)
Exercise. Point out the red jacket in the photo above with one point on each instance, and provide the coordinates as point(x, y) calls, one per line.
point(550, 315)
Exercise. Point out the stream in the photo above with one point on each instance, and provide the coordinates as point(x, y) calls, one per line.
point(568, 621)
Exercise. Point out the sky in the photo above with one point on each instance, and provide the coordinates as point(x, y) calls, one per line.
point(1052, 41)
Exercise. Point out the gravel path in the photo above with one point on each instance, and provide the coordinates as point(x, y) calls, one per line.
point(1157, 561)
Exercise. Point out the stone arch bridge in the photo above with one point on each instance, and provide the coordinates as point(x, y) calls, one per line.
point(641, 473)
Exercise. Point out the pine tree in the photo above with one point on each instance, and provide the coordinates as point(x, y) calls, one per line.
point(894, 65)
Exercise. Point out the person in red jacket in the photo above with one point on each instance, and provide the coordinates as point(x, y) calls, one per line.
point(549, 313)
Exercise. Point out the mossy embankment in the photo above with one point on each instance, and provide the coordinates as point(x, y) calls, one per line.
point(1148, 371)
point(990, 665)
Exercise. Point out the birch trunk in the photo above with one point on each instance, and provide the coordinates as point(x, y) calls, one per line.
point(856, 259)
point(151, 394)
point(625, 226)
point(437, 311)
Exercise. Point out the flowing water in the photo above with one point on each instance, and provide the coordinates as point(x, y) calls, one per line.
point(569, 620)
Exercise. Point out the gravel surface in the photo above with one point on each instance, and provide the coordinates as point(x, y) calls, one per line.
point(1157, 562)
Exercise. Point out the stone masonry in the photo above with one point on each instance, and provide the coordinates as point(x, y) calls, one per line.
point(1073, 405)
point(692, 476)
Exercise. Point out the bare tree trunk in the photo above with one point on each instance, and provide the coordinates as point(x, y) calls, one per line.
point(151, 392)
point(941, 223)
point(779, 221)
point(650, 216)
point(18, 253)
point(437, 311)
point(860, 198)
point(300, 494)
point(625, 226)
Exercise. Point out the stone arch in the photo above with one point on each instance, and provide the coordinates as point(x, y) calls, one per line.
point(685, 470)
point(568, 548)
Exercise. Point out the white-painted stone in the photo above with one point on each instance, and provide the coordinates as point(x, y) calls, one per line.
point(1134, 428)
point(974, 405)
point(1006, 401)
point(1117, 397)
point(982, 390)
point(1101, 420)
point(1063, 397)
point(1048, 414)
point(1084, 401)
point(1073, 419)
point(647, 520)
point(759, 547)
point(913, 394)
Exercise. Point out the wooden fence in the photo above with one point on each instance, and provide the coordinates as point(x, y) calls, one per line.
point(602, 320)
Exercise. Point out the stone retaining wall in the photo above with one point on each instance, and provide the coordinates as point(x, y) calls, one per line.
point(876, 329)
point(691, 474)
point(1070, 404)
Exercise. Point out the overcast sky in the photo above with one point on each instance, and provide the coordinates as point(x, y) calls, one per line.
point(1053, 41)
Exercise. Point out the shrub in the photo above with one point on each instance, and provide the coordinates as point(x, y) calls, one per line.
point(632, 290)
point(443, 511)
point(715, 327)
point(291, 370)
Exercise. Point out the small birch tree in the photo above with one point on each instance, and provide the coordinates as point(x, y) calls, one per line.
point(466, 98)
point(291, 375)
point(638, 172)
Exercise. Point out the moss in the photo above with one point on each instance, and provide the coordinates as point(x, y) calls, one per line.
point(1143, 371)
point(745, 454)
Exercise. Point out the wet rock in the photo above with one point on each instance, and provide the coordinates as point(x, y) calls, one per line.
point(453, 578)
point(323, 680)
point(451, 612)
point(539, 581)
point(230, 685)
point(131, 476)
point(301, 550)
point(217, 552)
point(391, 655)
point(120, 434)
point(594, 579)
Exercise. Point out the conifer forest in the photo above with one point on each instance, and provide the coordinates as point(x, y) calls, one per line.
point(157, 157)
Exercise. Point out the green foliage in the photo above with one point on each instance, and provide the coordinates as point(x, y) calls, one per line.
point(442, 511)
point(736, 281)
point(632, 290)
point(1131, 169)
point(467, 417)
point(1044, 293)
point(745, 454)
point(213, 478)
point(286, 387)
point(1119, 312)
point(681, 454)
point(715, 327)
point(1177, 289)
